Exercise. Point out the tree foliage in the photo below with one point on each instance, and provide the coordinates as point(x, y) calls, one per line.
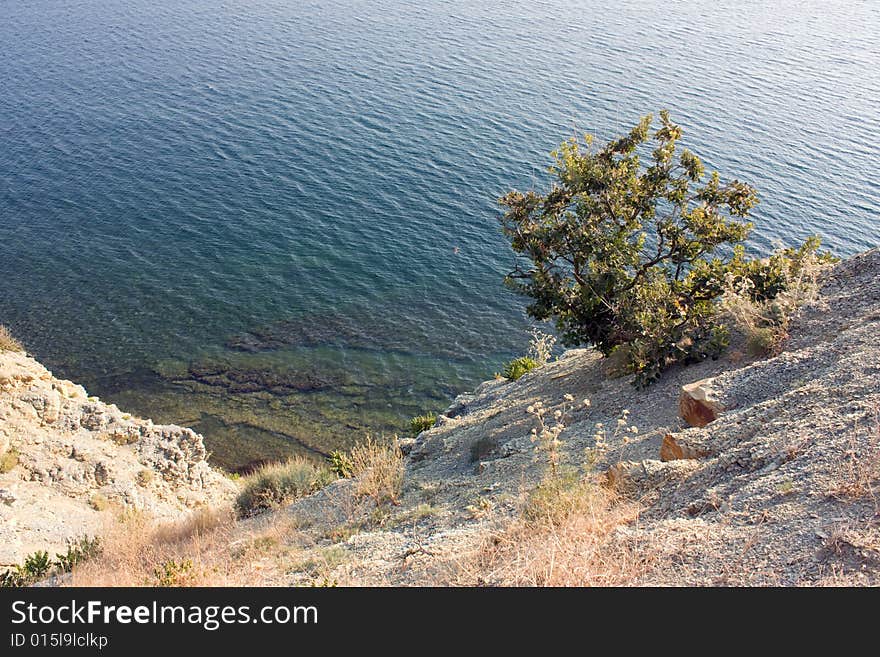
point(630, 255)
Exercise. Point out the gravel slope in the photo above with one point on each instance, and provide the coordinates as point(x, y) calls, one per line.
point(785, 492)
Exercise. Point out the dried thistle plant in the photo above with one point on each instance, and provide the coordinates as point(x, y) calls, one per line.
point(541, 346)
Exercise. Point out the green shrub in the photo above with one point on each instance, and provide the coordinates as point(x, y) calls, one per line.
point(632, 257)
point(7, 342)
point(768, 278)
point(278, 483)
point(519, 366)
point(37, 565)
point(340, 464)
point(78, 551)
point(174, 573)
point(12, 578)
point(422, 423)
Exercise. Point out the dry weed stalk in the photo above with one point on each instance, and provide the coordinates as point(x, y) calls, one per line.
point(861, 466)
point(541, 346)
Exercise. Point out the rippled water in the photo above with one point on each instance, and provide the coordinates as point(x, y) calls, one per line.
point(276, 221)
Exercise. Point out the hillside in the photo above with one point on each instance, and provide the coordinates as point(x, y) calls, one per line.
point(782, 489)
point(779, 487)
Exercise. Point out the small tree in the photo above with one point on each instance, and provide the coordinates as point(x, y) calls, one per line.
point(625, 256)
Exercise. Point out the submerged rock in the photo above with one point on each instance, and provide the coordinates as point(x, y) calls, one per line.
point(240, 379)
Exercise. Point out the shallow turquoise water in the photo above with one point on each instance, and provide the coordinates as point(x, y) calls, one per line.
point(200, 197)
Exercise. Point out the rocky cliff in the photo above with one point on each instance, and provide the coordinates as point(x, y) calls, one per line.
point(69, 462)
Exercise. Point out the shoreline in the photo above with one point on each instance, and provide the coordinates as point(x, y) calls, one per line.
point(262, 412)
point(787, 467)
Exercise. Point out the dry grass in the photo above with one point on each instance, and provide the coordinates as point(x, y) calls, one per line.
point(200, 522)
point(378, 471)
point(319, 564)
point(763, 335)
point(145, 477)
point(99, 502)
point(137, 554)
point(859, 471)
point(765, 323)
point(199, 550)
point(566, 533)
point(854, 538)
point(7, 342)
point(853, 550)
point(837, 576)
point(565, 536)
point(8, 460)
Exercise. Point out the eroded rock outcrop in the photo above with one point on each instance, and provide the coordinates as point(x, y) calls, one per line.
point(78, 460)
point(675, 448)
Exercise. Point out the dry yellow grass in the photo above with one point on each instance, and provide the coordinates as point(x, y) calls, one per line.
point(200, 522)
point(8, 460)
point(565, 536)
point(199, 550)
point(7, 342)
point(765, 323)
point(378, 470)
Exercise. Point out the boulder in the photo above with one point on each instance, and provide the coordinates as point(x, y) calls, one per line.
point(674, 449)
point(698, 404)
point(406, 445)
point(637, 479)
point(7, 497)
